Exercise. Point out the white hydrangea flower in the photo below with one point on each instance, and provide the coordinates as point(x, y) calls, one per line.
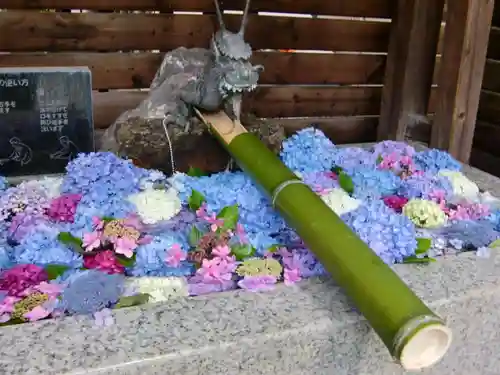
point(462, 186)
point(160, 289)
point(156, 205)
point(340, 202)
point(51, 186)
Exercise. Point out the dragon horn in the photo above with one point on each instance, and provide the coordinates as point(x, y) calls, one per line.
point(219, 15)
point(244, 20)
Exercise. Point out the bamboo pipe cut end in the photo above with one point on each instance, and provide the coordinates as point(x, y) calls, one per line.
point(220, 122)
point(426, 347)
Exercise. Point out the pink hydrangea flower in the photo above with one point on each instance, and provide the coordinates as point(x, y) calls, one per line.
point(395, 202)
point(98, 223)
point(38, 313)
point(222, 251)
point(104, 261)
point(92, 241)
point(52, 290)
point(216, 270)
point(257, 283)
point(291, 276)
point(175, 256)
point(125, 246)
point(7, 307)
point(467, 211)
point(240, 232)
point(17, 280)
point(63, 208)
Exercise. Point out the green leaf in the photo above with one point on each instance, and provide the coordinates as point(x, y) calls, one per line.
point(75, 243)
point(274, 248)
point(494, 244)
point(241, 251)
point(416, 260)
point(196, 200)
point(55, 270)
point(129, 301)
point(336, 169)
point(107, 219)
point(12, 322)
point(423, 245)
point(195, 236)
point(345, 182)
point(124, 261)
point(229, 215)
point(195, 172)
point(380, 159)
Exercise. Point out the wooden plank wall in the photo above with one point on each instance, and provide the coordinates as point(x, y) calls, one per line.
point(338, 89)
point(116, 39)
point(486, 153)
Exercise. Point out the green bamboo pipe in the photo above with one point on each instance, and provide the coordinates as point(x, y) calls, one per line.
point(414, 335)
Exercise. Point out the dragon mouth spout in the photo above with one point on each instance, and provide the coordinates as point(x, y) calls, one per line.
point(241, 78)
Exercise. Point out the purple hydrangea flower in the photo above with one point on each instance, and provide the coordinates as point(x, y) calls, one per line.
point(472, 234)
point(391, 236)
point(352, 157)
point(386, 148)
point(102, 171)
point(425, 186)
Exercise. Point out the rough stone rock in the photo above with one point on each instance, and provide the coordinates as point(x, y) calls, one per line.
point(139, 133)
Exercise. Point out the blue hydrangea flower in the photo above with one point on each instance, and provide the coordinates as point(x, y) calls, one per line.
point(4, 184)
point(100, 205)
point(226, 189)
point(372, 183)
point(351, 157)
point(425, 186)
point(103, 171)
point(309, 265)
point(320, 180)
point(5, 261)
point(434, 160)
point(261, 241)
point(150, 258)
point(90, 291)
point(308, 150)
point(472, 234)
point(391, 236)
point(40, 246)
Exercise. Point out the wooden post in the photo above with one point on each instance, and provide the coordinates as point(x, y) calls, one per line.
point(410, 66)
point(460, 77)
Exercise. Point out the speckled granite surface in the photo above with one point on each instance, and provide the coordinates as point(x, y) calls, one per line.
point(302, 330)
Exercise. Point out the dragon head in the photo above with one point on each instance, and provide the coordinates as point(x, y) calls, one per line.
point(237, 76)
point(228, 44)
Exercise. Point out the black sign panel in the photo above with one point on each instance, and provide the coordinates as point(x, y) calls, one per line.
point(45, 119)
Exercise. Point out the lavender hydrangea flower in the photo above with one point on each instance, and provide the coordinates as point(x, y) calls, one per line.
point(351, 157)
point(309, 265)
point(91, 291)
point(41, 246)
point(23, 198)
point(425, 186)
point(385, 148)
point(319, 181)
point(372, 183)
point(434, 160)
point(390, 235)
point(150, 258)
point(472, 234)
point(308, 150)
point(5, 261)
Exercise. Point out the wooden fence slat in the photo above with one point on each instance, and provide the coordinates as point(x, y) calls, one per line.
point(491, 79)
point(494, 43)
point(136, 70)
point(58, 32)
point(348, 8)
point(268, 101)
point(487, 138)
point(410, 65)
point(289, 101)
